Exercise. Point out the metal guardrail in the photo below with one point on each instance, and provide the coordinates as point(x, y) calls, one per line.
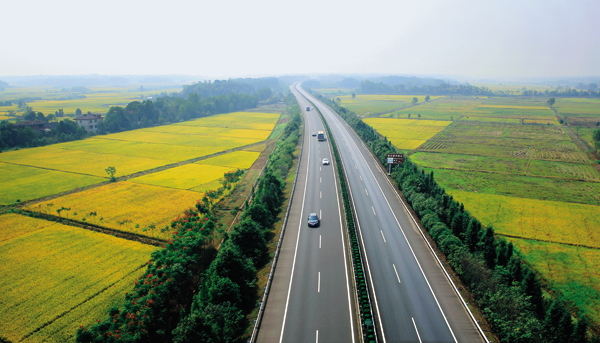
point(277, 250)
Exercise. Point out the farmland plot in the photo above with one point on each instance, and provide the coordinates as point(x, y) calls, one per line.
point(553, 221)
point(582, 192)
point(52, 270)
point(441, 109)
point(406, 133)
point(26, 183)
point(184, 177)
point(580, 285)
point(124, 206)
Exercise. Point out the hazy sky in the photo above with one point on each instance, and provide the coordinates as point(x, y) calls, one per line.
point(510, 39)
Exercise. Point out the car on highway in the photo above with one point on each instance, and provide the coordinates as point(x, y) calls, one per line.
point(314, 134)
point(325, 161)
point(313, 220)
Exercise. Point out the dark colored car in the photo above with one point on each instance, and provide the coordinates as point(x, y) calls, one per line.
point(313, 220)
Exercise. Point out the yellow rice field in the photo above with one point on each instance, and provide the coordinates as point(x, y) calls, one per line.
point(52, 271)
point(237, 120)
point(406, 133)
point(219, 143)
point(211, 131)
point(81, 162)
point(552, 221)
point(125, 205)
point(184, 177)
point(26, 183)
point(235, 159)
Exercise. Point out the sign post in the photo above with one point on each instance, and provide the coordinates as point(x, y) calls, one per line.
point(394, 159)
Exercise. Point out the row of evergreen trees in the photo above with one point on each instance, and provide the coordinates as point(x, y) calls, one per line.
point(190, 294)
point(508, 291)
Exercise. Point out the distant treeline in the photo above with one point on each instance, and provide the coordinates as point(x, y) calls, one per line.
point(507, 290)
point(189, 294)
point(350, 82)
point(262, 88)
point(3, 85)
point(369, 87)
point(565, 92)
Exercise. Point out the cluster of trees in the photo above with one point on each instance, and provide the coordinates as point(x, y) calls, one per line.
point(6, 103)
point(178, 299)
point(506, 289)
point(369, 87)
point(3, 85)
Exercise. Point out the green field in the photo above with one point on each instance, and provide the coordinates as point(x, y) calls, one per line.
point(578, 107)
point(580, 286)
point(531, 187)
point(54, 275)
point(372, 104)
point(26, 183)
point(513, 166)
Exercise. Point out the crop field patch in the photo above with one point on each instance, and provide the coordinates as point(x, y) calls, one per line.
point(161, 152)
point(406, 133)
point(237, 120)
point(235, 159)
point(580, 285)
point(81, 162)
point(211, 131)
point(184, 177)
point(125, 206)
point(553, 221)
point(506, 165)
point(52, 270)
point(26, 183)
point(578, 107)
point(581, 192)
point(517, 107)
point(220, 143)
point(442, 109)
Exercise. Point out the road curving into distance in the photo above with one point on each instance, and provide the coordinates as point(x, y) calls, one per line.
point(311, 298)
point(413, 299)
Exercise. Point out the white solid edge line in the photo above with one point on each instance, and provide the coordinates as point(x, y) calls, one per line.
point(415, 324)
point(317, 336)
point(296, 249)
point(396, 273)
point(407, 242)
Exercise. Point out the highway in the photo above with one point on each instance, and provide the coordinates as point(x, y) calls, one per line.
point(311, 298)
point(414, 301)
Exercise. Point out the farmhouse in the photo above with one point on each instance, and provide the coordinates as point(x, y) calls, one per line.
point(89, 121)
point(36, 125)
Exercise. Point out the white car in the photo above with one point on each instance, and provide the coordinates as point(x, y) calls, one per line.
point(325, 161)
